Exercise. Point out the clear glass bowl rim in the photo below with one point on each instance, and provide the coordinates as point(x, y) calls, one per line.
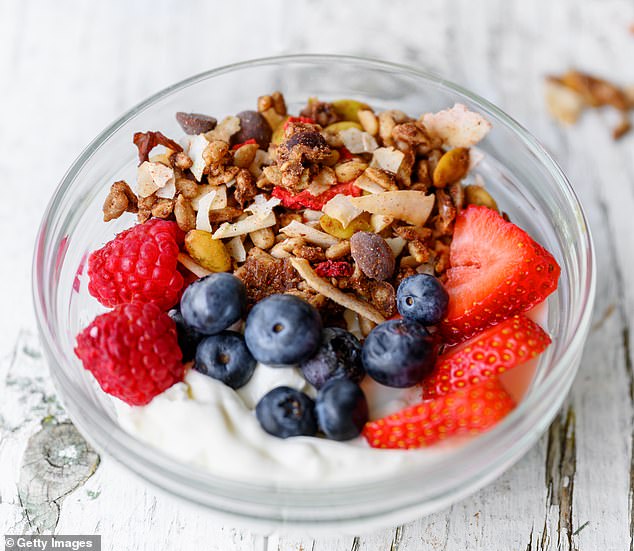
point(193, 484)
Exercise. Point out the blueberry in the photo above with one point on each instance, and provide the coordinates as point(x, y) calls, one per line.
point(422, 298)
point(188, 337)
point(342, 409)
point(225, 357)
point(214, 303)
point(283, 330)
point(339, 356)
point(399, 353)
point(285, 412)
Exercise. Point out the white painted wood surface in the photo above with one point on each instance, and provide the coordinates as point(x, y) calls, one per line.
point(67, 68)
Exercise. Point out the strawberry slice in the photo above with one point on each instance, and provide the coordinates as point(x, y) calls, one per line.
point(497, 270)
point(468, 411)
point(496, 350)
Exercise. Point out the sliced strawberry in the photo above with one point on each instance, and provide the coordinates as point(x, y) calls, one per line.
point(497, 270)
point(494, 351)
point(472, 410)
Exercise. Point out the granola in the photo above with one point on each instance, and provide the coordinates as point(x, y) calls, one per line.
point(336, 205)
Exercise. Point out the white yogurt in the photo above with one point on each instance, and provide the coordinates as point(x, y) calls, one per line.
point(205, 423)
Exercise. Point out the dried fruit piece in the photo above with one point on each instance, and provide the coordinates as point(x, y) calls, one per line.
point(253, 126)
point(373, 255)
point(147, 141)
point(305, 199)
point(452, 167)
point(334, 227)
point(195, 123)
point(477, 195)
point(330, 268)
point(207, 252)
point(348, 109)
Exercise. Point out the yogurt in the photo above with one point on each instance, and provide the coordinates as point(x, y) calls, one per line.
point(205, 423)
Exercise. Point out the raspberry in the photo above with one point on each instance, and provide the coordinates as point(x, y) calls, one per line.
point(139, 264)
point(132, 351)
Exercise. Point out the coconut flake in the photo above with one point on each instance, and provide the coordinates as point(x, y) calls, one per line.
point(330, 291)
point(297, 229)
point(357, 141)
point(153, 176)
point(236, 249)
point(204, 206)
point(341, 209)
point(168, 191)
point(387, 158)
point(262, 207)
point(364, 183)
point(192, 266)
point(197, 146)
point(409, 205)
point(456, 127)
point(247, 225)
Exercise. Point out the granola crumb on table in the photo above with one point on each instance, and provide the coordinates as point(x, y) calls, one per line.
point(286, 196)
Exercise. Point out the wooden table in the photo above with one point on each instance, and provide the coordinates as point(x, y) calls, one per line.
point(69, 67)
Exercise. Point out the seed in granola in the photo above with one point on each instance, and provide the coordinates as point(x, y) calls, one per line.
point(120, 199)
point(209, 253)
point(452, 167)
point(477, 195)
point(195, 123)
point(244, 156)
point(310, 253)
point(253, 126)
point(184, 213)
point(373, 255)
point(334, 227)
point(338, 250)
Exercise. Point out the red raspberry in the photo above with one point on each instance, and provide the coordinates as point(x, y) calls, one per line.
point(139, 264)
point(132, 351)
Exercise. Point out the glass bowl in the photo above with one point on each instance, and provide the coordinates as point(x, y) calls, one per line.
point(523, 178)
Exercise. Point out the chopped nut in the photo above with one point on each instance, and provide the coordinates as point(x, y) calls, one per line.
point(564, 104)
point(184, 214)
point(120, 199)
point(310, 253)
point(596, 92)
point(186, 187)
point(338, 250)
point(422, 174)
point(365, 325)
point(456, 192)
point(419, 251)
point(223, 176)
point(413, 134)
point(446, 212)
point(245, 189)
point(622, 128)
point(368, 121)
point(226, 214)
point(323, 113)
point(182, 161)
point(264, 275)
point(349, 170)
point(263, 239)
point(384, 298)
point(413, 233)
point(216, 153)
point(272, 174)
point(382, 178)
point(275, 101)
point(163, 208)
point(145, 208)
